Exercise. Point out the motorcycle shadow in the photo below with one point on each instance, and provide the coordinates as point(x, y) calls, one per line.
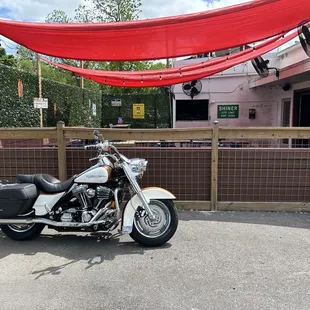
point(92, 248)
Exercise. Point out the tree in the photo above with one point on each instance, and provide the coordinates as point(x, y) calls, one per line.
point(26, 59)
point(108, 10)
point(115, 11)
point(91, 11)
point(8, 60)
point(58, 16)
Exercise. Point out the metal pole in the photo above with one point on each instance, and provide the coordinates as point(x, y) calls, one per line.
point(214, 165)
point(82, 79)
point(40, 86)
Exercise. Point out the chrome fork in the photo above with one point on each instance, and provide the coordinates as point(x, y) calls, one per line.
point(138, 190)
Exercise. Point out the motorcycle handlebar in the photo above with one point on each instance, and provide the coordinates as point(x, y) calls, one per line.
point(101, 146)
point(87, 147)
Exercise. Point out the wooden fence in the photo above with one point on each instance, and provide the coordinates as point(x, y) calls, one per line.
point(210, 177)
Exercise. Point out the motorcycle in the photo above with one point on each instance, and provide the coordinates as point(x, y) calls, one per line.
point(90, 201)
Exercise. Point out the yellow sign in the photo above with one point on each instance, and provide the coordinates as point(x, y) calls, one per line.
point(138, 110)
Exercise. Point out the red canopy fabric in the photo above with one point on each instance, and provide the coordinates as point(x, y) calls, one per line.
point(176, 75)
point(159, 72)
point(162, 37)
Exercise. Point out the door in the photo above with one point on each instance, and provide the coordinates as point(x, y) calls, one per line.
point(304, 110)
point(286, 117)
point(302, 115)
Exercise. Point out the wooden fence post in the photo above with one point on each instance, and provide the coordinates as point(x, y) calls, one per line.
point(214, 165)
point(62, 157)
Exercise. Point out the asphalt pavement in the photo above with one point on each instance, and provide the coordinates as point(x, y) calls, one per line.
point(233, 260)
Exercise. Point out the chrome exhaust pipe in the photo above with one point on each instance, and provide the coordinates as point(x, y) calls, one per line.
point(94, 221)
point(118, 209)
point(48, 222)
point(66, 224)
point(16, 221)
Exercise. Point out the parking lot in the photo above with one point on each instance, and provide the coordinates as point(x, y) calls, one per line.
point(233, 260)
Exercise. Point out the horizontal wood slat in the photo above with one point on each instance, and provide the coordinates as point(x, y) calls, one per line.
point(27, 133)
point(140, 135)
point(264, 133)
point(264, 206)
point(160, 134)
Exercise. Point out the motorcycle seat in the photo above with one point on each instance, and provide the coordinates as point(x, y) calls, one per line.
point(46, 182)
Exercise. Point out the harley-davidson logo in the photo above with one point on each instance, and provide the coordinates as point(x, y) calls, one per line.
point(92, 176)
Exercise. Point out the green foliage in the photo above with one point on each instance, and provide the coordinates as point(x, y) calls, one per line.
point(26, 65)
point(115, 11)
point(91, 11)
point(157, 110)
point(70, 102)
point(24, 53)
point(14, 111)
point(58, 16)
point(74, 104)
point(108, 10)
point(7, 60)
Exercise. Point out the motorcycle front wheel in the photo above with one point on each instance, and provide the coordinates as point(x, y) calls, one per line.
point(156, 232)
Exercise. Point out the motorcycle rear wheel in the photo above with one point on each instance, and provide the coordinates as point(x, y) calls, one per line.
point(156, 233)
point(22, 232)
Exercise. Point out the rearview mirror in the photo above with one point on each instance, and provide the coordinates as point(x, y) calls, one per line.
point(98, 135)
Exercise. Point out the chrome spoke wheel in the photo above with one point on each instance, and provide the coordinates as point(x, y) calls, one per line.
point(157, 227)
point(21, 228)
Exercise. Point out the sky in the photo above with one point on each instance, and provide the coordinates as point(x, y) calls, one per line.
point(37, 10)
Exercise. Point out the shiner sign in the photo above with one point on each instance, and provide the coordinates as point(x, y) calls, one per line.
point(228, 111)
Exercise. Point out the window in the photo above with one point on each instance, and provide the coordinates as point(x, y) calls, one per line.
point(192, 110)
point(228, 51)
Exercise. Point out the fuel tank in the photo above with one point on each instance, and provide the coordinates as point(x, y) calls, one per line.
point(96, 175)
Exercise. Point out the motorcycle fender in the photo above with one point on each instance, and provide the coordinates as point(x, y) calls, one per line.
point(131, 206)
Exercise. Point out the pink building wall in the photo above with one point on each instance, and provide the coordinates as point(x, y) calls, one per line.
point(233, 87)
point(234, 90)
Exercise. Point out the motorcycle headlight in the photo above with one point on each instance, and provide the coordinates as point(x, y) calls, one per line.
point(138, 166)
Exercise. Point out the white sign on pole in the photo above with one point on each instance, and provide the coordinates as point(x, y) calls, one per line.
point(116, 102)
point(40, 103)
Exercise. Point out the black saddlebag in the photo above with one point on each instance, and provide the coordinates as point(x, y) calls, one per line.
point(17, 199)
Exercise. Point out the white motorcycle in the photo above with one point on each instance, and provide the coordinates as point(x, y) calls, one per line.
point(91, 201)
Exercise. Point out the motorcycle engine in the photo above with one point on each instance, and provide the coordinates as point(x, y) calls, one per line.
point(68, 215)
point(86, 203)
point(104, 193)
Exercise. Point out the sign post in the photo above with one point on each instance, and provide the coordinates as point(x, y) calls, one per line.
point(40, 86)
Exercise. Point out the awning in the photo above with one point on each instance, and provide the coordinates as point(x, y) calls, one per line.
point(162, 37)
point(173, 76)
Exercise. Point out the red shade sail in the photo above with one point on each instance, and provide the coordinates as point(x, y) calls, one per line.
point(162, 37)
point(159, 72)
point(173, 76)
